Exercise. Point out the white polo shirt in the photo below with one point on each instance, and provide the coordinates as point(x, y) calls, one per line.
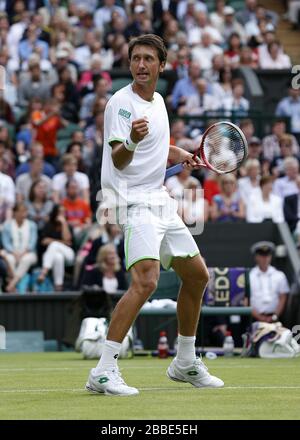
point(265, 289)
point(145, 174)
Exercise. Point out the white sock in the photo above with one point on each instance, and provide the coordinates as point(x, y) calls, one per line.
point(109, 357)
point(186, 353)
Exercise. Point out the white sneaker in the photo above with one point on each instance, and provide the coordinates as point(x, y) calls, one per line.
point(109, 382)
point(196, 374)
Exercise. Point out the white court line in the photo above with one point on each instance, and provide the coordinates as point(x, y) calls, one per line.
point(128, 367)
point(79, 390)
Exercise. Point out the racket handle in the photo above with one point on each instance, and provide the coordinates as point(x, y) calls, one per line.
point(174, 170)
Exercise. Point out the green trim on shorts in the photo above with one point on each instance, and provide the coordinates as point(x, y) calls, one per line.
point(127, 245)
point(115, 140)
point(185, 256)
point(140, 259)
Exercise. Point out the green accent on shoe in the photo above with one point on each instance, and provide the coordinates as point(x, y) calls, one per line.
point(103, 379)
point(193, 373)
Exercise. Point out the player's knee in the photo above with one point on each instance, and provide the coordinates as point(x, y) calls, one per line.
point(145, 285)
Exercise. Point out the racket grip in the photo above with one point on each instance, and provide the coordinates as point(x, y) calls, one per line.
point(174, 170)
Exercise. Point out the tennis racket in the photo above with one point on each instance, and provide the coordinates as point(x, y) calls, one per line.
point(223, 149)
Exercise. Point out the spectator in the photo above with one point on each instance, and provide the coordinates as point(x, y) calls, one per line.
point(286, 150)
point(217, 16)
point(47, 128)
point(36, 151)
point(56, 242)
point(193, 208)
point(293, 13)
point(76, 149)
point(176, 184)
point(19, 237)
point(201, 102)
point(248, 58)
point(181, 63)
point(5, 271)
point(7, 194)
point(53, 9)
point(101, 87)
point(77, 211)
point(230, 25)
point(203, 53)
point(232, 53)
point(95, 70)
point(236, 104)
point(227, 206)
point(108, 273)
point(136, 26)
point(33, 87)
point(271, 142)
point(103, 15)
point(265, 206)
point(268, 286)
point(249, 184)
point(285, 186)
point(70, 166)
point(290, 107)
point(249, 13)
point(222, 89)
point(274, 58)
point(31, 44)
point(25, 180)
point(39, 206)
point(186, 86)
point(201, 25)
point(247, 127)
point(291, 207)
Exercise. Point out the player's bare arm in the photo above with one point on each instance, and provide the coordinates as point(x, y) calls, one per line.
point(179, 155)
point(122, 153)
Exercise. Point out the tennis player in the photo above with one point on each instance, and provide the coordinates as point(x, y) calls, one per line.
point(136, 150)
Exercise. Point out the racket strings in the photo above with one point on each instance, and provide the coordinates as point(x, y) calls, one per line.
point(224, 147)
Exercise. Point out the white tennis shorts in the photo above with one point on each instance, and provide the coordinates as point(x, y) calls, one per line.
point(156, 233)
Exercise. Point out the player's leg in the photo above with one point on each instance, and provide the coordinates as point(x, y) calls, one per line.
point(145, 275)
point(186, 367)
point(194, 276)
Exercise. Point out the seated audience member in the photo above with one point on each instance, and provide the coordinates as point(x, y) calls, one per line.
point(223, 88)
point(268, 286)
point(237, 103)
point(7, 194)
point(25, 180)
point(175, 184)
point(19, 238)
point(231, 26)
point(193, 208)
point(56, 242)
point(291, 207)
point(249, 184)
point(5, 271)
point(265, 205)
point(77, 211)
point(228, 205)
point(285, 186)
point(290, 107)
point(108, 273)
point(274, 58)
point(286, 150)
point(201, 102)
point(271, 142)
point(39, 205)
point(36, 150)
point(70, 165)
point(185, 87)
point(203, 53)
point(47, 129)
point(211, 186)
point(76, 149)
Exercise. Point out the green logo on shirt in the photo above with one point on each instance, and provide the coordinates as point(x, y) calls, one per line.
point(125, 113)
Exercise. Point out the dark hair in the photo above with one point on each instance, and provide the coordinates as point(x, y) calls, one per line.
point(265, 180)
point(151, 40)
point(54, 214)
point(32, 188)
point(18, 206)
point(71, 145)
point(69, 181)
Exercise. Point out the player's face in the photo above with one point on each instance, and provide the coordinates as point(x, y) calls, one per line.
point(145, 65)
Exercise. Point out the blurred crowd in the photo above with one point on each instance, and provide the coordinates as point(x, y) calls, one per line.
point(59, 58)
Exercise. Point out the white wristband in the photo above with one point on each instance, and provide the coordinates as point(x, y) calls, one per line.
point(129, 145)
